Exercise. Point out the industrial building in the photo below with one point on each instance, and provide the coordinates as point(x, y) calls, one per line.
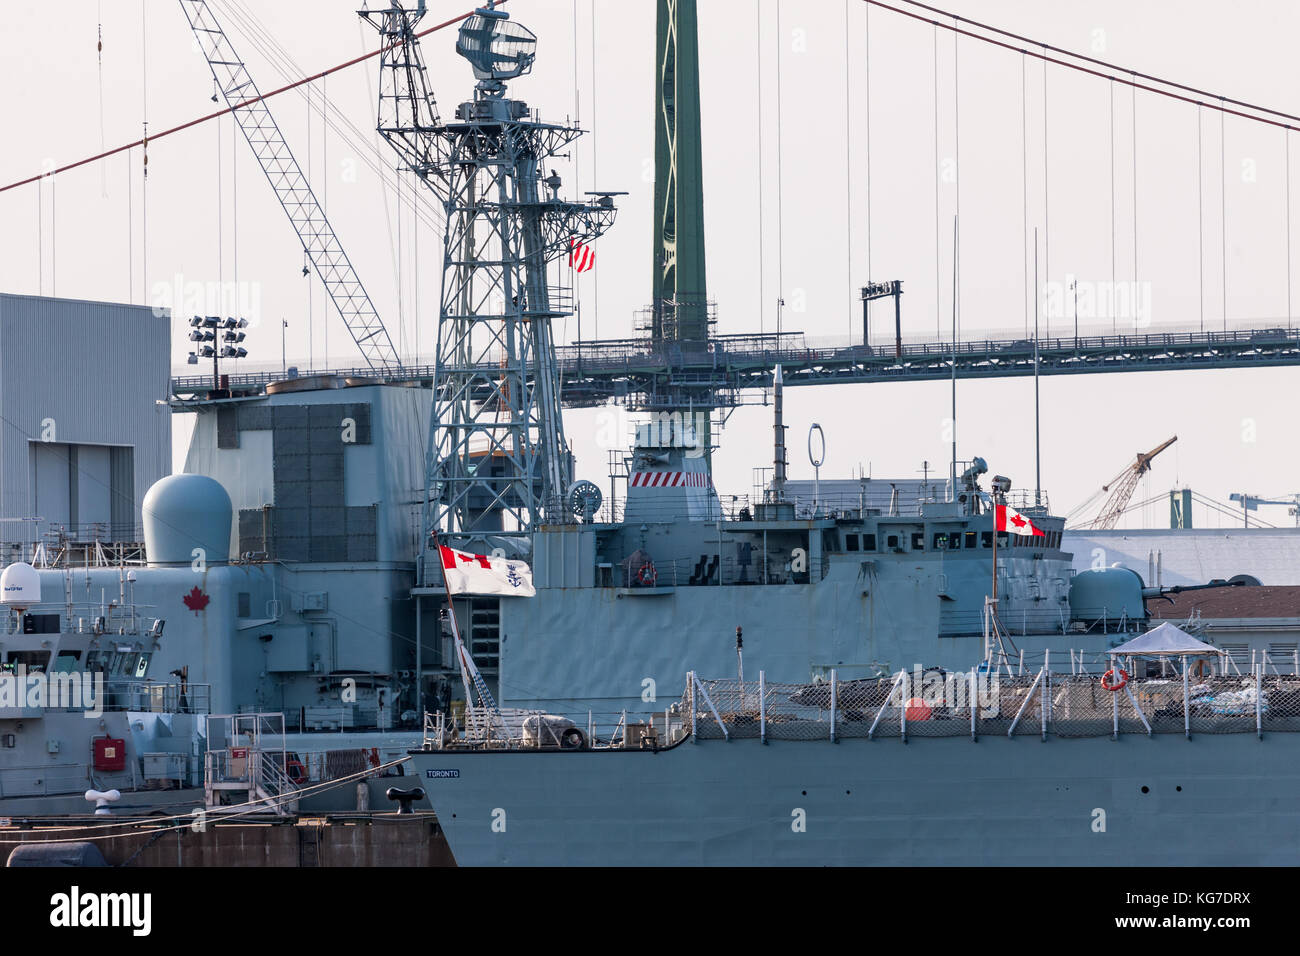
point(84, 425)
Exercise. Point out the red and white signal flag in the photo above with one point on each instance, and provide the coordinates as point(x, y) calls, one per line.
point(1009, 519)
point(582, 258)
point(478, 574)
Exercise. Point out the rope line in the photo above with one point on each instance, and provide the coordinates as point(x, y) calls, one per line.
point(187, 820)
point(242, 103)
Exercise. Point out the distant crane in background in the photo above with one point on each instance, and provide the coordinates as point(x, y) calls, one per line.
point(1120, 490)
point(1250, 503)
point(315, 233)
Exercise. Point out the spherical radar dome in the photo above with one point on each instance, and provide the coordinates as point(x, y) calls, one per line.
point(185, 512)
point(20, 586)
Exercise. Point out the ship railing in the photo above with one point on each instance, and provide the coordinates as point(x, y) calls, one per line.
point(527, 729)
point(79, 691)
point(975, 703)
point(703, 570)
point(875, 499)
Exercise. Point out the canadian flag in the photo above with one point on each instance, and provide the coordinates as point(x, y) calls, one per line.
point(1009, 519)
point(478, 574)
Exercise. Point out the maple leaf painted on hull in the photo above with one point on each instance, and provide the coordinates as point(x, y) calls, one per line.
point(196, 600)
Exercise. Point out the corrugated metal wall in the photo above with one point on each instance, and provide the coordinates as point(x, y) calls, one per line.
point(88, 373)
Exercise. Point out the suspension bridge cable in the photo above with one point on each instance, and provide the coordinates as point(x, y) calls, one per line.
point(595, 172)
point(260, 38)
point(234, 223)
point(1135, 192)
point(758, 97)
point(221, 211)
point(1083, 69)
point(54, 237)
point(1024, 190)
point(130, 233)
point(848, 167)
point(956, 219)
point(780, 191)
point(1114, 274)
point(325, 198)
point(382, 172)
point(99, 50)
point(866, 28)
point(1047, 209)
point(1079, 56)
point(1223, 217)
point(242, 103)
point(144, 150)
point(1200, 218)
point(938, 328)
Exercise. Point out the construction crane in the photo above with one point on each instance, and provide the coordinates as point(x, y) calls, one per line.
point(1250, 503)
point(315, 233)
point(1119, 490)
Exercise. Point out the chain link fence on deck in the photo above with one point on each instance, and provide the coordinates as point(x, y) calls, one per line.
point(946, 704)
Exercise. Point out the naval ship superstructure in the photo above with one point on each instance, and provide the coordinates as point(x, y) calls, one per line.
point(287, 571)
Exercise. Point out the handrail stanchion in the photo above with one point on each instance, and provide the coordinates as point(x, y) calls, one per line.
point(834, 702)
point(1029, 695)
point(1259, 702)
point(1114, 704)
point(1046, 702)
point(762, 707)
point(974, 704)
point(871, 733)
point(690, 687)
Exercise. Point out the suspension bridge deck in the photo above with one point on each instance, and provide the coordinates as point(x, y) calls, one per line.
point(640, 373)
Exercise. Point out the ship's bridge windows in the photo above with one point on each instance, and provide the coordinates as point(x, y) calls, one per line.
point(851, 542)
point(970, 539)
point(986, 539)
point(67, 662)
point(918, 540)
point(120, 663)
point(940, 541)
point(891, 541)
point(868, 542)
point(34, 662)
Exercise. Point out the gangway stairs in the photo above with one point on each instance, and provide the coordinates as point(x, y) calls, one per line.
point(239, 771)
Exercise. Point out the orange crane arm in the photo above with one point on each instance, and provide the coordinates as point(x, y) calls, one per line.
point(1121, 488)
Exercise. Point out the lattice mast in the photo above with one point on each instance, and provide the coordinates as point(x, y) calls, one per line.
point(315, 233)
point(498, 459)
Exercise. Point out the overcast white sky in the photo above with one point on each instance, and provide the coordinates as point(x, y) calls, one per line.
point(1235, 428)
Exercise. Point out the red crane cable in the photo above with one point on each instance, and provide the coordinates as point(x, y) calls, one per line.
point(1083, 69)
point(211, 116)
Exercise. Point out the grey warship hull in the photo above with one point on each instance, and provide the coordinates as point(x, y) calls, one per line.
point(1002, 801)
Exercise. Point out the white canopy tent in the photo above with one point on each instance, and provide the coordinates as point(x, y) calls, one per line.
point(1165, 641)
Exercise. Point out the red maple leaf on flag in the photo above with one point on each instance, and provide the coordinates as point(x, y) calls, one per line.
point(196, 600)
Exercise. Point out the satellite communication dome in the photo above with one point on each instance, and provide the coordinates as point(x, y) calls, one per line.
point(20, 586)
point(184, 513)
